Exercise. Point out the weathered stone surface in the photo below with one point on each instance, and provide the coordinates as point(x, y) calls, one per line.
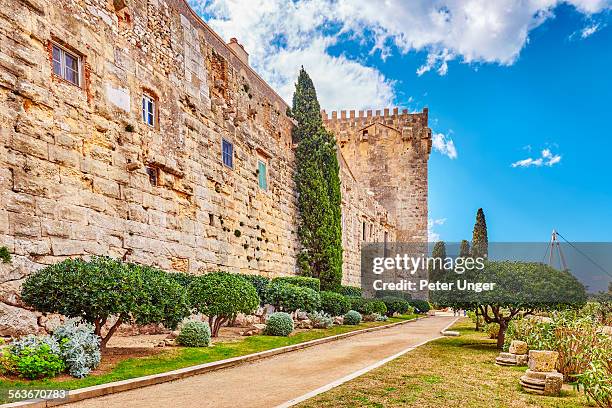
point(15, 321)
point(522, 360)
point(338, 320)
point(542, 360)
point(553, 384)
point(451, 333)
point(303, 324)
point(518, 347)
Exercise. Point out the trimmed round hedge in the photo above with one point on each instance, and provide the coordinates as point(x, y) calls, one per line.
point(304, 281)
point(368, 306)
point(221, 296)
point(290, 298)
point(334, 303)
point(351, 291)
point(396, 305)
point(260, 283)
point(353, 317)
point(420, 306)
point(279, 324)
point(194, 334)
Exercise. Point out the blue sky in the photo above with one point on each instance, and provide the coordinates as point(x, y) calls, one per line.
point(523, 82)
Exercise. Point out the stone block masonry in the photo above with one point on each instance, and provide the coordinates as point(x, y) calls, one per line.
point(113, 124)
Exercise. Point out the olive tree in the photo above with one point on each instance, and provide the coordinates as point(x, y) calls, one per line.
point(103, 290)
point(520, 288)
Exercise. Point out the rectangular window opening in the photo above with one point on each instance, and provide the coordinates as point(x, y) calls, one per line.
point(66, 65)
point(227, 150)
point(148, 110)
point(153, 175)
point(262, 175)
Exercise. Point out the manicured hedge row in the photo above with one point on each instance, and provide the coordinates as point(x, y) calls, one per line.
point(289, 298)
point(334, 303)
point(304, 281)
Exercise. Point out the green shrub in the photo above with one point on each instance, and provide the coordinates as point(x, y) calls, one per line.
point(99, 289)
point(307, 282)
point(596, 380)
point(320, 320)
point(194, 334)
point(79, 347)
point(221, 296)
point(420, 306)
point(396, 305)
point(393, 293)
point(334, 303)
point(350, 291)
point(182, 278)
point(279, 324)
point(492, 329)
point(352, 317)
point(33, 357)
point(289, 298)
point(260, 283)
point(5, 255)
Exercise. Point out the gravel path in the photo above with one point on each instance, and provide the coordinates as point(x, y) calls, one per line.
point(273, 381)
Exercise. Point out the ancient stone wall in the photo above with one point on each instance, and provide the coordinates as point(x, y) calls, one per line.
point(363, 220)
point(81, 173)
point(387, 153)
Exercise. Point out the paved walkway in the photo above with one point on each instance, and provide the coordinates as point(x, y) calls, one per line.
point(273, 381)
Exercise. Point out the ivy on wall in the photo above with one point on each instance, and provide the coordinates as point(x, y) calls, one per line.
point(317, 181)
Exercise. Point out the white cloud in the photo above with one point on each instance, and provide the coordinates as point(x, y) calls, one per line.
point(433, 236)
point(444, 145)
point(547, 158)
point(281, 35)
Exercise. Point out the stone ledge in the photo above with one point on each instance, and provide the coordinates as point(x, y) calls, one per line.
point(134, 383)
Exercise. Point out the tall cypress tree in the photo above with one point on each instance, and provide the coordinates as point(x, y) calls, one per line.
point(464, 249)
point(480, 241)
point(317, 181)
point(436, 271)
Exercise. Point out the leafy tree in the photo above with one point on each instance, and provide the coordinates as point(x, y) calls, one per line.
point(520, 288)
point(221, 296)
point(318, 186)
point(480, 240)
point(334, 303)
point(103, 288)
point(289, 298)
point(464, 249)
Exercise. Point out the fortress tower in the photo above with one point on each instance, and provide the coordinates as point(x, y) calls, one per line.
point(388, 154)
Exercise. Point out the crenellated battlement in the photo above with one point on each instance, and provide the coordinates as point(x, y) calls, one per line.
point(387, 151)
point(354, 118)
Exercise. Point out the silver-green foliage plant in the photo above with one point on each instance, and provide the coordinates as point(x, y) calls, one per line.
point(194, 334)
point(352, 317)
point(320, 320)
point(79, 346)
point(279, 324)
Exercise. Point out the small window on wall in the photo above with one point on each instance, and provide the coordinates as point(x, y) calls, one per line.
point(66, 65)
point(153, 175)
point(227, 151)
point(148, 110)
point(262, 174)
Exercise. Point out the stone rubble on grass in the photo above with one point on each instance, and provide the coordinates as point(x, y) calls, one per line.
point(339, 320)
point(541, 376)
point(516, 356)
point(257, 328)
point(303, 324)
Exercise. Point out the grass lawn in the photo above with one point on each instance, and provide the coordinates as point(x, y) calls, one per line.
point(449, 372)
point(173, 358)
